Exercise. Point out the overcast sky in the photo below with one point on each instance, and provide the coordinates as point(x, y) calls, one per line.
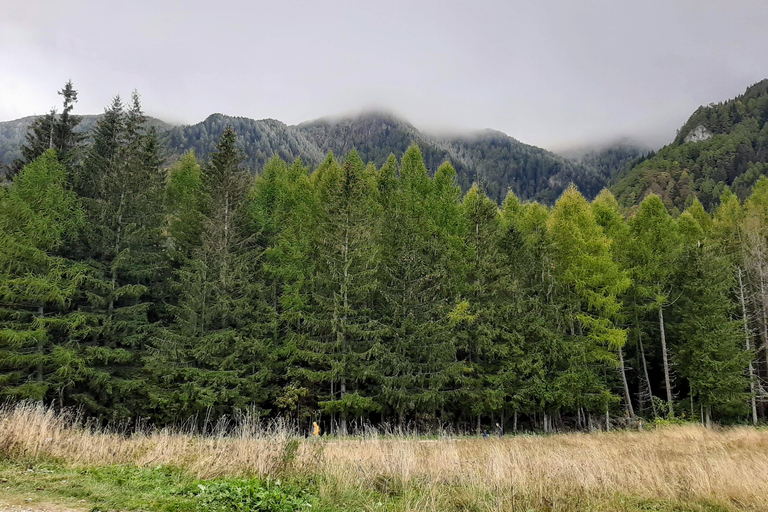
point(550, 73)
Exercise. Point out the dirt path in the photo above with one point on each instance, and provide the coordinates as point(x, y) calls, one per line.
point(36, 508)
point(15, 506)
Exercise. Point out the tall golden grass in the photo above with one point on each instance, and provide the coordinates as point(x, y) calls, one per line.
point(568, 472)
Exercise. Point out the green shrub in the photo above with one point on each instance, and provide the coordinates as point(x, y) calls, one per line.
point(251, 495)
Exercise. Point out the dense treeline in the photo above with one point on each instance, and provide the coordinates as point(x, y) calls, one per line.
point(360, 292)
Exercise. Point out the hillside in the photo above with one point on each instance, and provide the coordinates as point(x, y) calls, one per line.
point(613, 159)
point(721, 145)
point(500, 162)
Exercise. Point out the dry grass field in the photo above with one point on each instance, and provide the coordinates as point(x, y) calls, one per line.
point(671, 468)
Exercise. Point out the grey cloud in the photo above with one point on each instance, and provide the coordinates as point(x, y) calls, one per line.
point(550, 73)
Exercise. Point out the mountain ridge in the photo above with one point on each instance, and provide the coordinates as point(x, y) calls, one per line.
point(501, 163)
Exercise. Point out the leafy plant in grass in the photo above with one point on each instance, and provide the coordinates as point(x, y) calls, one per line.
point(251, 495)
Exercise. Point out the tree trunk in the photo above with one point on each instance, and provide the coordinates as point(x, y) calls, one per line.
point(40, 313)
point(117, 251)
point(514, 425)
point(666, 363)
point(607, 420)
point(764, 310)
point(224, 266)
point(342, 394)
point(645, 365)
point(748, 344)
point(627, 398)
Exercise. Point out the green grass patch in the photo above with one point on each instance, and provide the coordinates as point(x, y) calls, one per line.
point(161, 488)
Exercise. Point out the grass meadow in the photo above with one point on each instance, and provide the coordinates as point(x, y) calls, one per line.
point(52, 457)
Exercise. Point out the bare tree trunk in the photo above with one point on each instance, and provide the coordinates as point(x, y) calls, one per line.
point(40, 313)
point(645, 365)
point(666, 363)
point(514, 425)
point(748, 344)
point(333, 414)
point(607, 420)
point(627, 398)
point(342, 394)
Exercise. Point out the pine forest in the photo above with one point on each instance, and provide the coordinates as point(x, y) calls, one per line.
point(353, 293)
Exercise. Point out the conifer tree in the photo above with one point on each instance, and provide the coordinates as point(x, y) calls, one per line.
point(608, 216)
point(655, 251)
point(728, 232)
point(711, 355)
point(184, 201)
point(417, 357)
point(212, 357)
point(754, 243)
point(589, 284)
point(54, 131)
point(482, 339)
point(37, 216)
point(538, 355)
point(341, 329)
point(122, 187)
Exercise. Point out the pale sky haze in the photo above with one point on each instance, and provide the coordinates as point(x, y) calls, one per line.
point(550, 73)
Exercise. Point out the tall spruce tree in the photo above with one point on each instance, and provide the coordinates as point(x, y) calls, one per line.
point(417, 357)
point(341, 329)
point(121, 186)
point(212, 357)
point(711, 354)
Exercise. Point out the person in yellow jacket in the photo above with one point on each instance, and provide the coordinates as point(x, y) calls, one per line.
point(316, 431)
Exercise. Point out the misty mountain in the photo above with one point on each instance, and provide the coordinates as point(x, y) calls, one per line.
point(722, 145)
point(492, 158)
point(611, 159)
point(499, 162)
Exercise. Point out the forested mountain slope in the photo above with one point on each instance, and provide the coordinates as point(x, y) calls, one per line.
point(257, 140)
point(611, 160)
point(721, 145)
point(501, 163)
